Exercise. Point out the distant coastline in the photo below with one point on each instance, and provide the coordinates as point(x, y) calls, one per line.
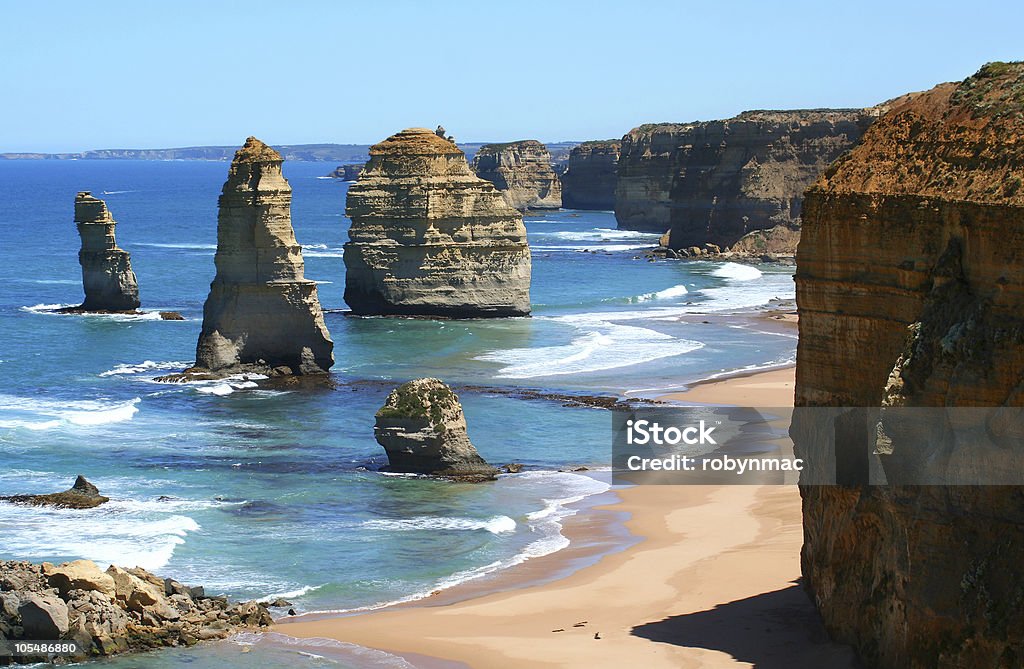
point(339, 153)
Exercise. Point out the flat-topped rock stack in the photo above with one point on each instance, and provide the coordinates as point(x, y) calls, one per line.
point(262, 314)
point(522, 171)
point(429, 238)
point(107, 276)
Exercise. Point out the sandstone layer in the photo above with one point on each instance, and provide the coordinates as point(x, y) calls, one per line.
point(107, 276)
point(910, 289)
point(262, 314)
point(522, 171)
point(423, 429)
point(81, 495)
point(113, 611)
point(715, 181)
point(591, 176)
point(429, 238)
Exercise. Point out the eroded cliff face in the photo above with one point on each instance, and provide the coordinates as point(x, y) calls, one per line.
point(591, 176)
point(107, 276)
point(262, 313)
point(522, 171)
point(910, 289)
point(430, 238)
point(715, 181)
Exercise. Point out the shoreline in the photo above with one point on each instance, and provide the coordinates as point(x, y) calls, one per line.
point(706, 569)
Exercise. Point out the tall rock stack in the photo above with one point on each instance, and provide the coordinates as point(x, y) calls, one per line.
point(592, 175)
point(107, 275)
point(429, 238)
point(715, 181)
point(522, 170)
point(262, 313)
point(910, 289)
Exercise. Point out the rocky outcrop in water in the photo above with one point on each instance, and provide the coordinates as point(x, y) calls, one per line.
point(522, 171)
point(107, 275)
point(113, 611)
point(910, 288)
point(82, 495)
point(423, 429)
point(715, 181)
point(591, 176)
point(347, 172)
point(262, 314)
point(429, 238)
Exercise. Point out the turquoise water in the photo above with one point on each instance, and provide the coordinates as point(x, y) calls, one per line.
point(255, 492)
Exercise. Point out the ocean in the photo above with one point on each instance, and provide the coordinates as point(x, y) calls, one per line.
point(258, 493)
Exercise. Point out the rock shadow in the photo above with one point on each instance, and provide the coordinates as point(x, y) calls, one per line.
point(773, 630)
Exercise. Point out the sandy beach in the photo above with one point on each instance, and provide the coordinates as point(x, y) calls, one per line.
point(711, 581)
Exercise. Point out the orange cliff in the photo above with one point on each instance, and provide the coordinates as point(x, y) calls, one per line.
point(910, 290)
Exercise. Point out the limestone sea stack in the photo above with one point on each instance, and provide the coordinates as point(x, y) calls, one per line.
point(910, 291)
point(262, 313)
point(107, 275)
point(522, 171)
point(591, 176)
point(429, 238)
point(423, 429)
point(715, 181)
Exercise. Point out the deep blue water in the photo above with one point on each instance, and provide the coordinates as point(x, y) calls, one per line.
point(277, 492)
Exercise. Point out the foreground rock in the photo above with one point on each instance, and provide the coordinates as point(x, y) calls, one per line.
point(423, 429)
point(591, 176)
point(522, 171)
point(347, 172)
point(82, 495)
point(910, 289)
point(715, 181)
point(107, 277)
point(262, 314)
point(429, 238)
point(113, 611)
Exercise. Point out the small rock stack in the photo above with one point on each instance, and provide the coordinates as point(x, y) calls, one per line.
point(107, 275)
point(423, 429)
point(262, 313)
point(429, 238)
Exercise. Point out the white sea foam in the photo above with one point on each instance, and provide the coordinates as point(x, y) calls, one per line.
point(126, 369)
point(600, 344)
point(51, 310)
point(292, 594)
point(667, 294)
point(737, 272)
point(118, 192)
point(106, 534)
point(495, 525)
point(35, 413)
point(325, 253)
point(602, 235)
point(579, 249)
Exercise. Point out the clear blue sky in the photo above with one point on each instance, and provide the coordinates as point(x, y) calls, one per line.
point(81, 75)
